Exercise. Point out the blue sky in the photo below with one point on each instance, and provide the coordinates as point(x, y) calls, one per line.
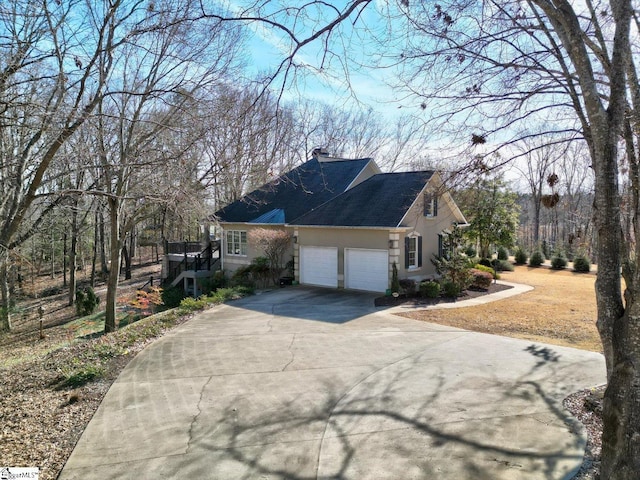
point(267, 50)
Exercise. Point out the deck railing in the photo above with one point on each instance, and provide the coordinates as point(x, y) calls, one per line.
point(182, 247)
point(203, 260)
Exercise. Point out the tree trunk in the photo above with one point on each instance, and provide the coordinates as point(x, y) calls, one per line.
point(536, 221)
point(64, 260)
point(126, 256)
point(101, 244)
point(53, 255)
point(132, 244)
point(95, 249)
point(617, 323)
point(72, 255)
point(5, 311)
point(114, 272)
point(621, 408)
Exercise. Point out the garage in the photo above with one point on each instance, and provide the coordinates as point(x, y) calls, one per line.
point(366, 269)
point(319, 266)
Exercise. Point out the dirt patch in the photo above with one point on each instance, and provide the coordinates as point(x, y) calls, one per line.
point(41, 419)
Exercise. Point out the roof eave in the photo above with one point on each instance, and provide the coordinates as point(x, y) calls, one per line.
point(349, 227)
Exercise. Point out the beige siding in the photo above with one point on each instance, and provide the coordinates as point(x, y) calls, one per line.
point(231, 263)
point(341, 238)
point(428, 228)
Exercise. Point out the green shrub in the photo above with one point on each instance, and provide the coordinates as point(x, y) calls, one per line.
point(79, 375)
point(503, 254)
point(451, 289)
point(260, 271)
point(454, 267)
point(481, 279)
point(395, 283)
point(86, 301)
point(470, 252)
point(504, 266)
point(581, 264)
point(223, 294)
point(520, 256)
point(484, 268)
point(244, 291)
point(219, 279)
point(172, 296)
point(472, 261)
point(243, 277)
point(430, 289)
point(536, 259)
point(291, 267)
point(558, 261)
point(190, 304)
point(407, 286)
point(487, 262)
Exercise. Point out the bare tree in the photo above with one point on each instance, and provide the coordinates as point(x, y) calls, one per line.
point(274, 244)
point(159, 78)
point(577, 192)
point(481, 70)
point(248, 140)
point(538, 162)
point(55, 58)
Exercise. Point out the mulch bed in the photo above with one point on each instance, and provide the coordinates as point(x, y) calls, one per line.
point(416, 301)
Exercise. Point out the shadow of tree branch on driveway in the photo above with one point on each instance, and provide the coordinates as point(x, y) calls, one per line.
point(379, 428)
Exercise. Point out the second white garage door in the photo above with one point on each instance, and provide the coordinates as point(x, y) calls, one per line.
point(319, 266)
point(366, 269)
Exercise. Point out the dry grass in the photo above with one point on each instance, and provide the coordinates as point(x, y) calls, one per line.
point(561, 310)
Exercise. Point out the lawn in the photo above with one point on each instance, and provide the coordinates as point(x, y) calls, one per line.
point(561, 310)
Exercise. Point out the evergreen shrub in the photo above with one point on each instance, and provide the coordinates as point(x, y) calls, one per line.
point(504, 266)
point(536, 259)
point(581, 264)
point(430, 289)
point(520, 256)
point(86, 301)
point(558, 261)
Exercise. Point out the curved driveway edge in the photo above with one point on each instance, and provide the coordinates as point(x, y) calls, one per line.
point(516, 289)
point(304, 383)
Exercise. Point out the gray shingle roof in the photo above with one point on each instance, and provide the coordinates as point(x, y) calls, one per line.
point(380, 201)
point(295, 193)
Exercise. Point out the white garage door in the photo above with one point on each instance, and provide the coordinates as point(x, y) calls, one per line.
point(319, 266)
point(366, 269)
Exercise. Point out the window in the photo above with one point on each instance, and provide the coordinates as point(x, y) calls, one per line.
point(445, 249)
point(413, 251)
point(430, 205)
point(236, 242)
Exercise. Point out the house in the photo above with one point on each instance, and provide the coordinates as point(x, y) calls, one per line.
point(348, 221)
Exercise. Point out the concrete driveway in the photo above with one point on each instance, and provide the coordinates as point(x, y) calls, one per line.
point(304, 383)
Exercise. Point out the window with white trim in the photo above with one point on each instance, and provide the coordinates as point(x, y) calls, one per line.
point(413, 252)
point(237, 242)
point(430, 205)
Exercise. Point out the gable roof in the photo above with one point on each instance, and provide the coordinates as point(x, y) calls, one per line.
point(294, 193)
point(379, 201)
